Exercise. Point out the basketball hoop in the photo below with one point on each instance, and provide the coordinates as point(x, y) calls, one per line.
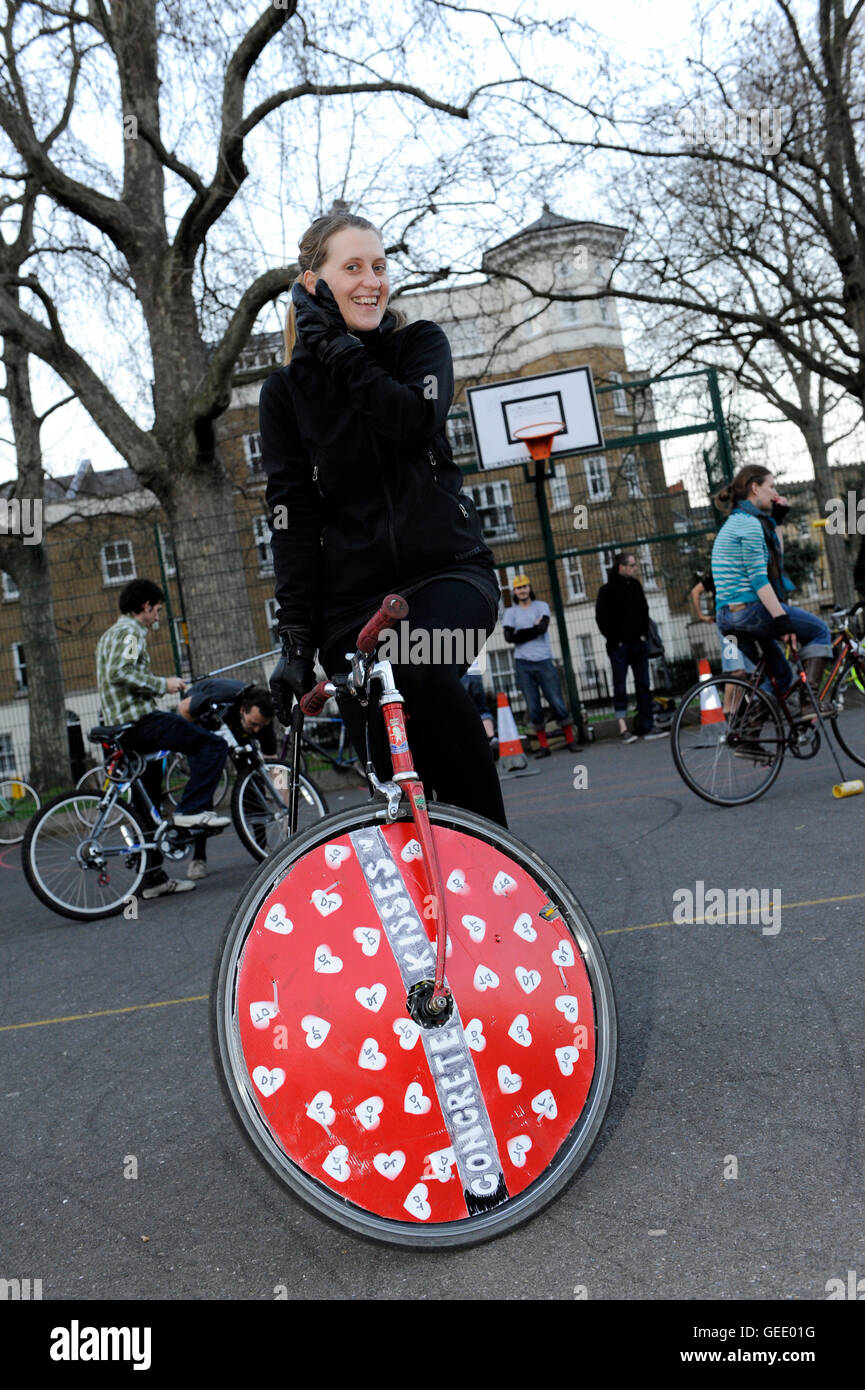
point(538, 438)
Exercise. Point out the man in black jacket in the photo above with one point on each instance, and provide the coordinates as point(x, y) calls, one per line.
point(622, 614)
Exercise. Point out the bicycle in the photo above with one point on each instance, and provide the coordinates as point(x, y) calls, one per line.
point(730, 735)
point(344, 760)
point(18, 803)
point(406, 1105)
point(175, 771)
point(76, 841)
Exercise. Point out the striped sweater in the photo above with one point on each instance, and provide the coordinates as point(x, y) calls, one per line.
point(740, 560)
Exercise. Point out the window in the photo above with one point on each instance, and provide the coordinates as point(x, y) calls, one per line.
point(605, 310)
point(19, 668)
point(502, 675)
point(252, 448)
point(606, 559)
point(534, 323)
point(270, 610)
point(560, 493)
point(7, 756)
point(258, 355)
point(465, 339)
point(631, 474)
point(597, 478)
point(10, 588)
point(181, 638)
point(495, 509)
point(647, 567)
point(620, 400)
point(460, 434)
point(569, 311)
point(118, 562)
point(586, 658)
point(166, 546)
point(261, 533)
point(574, 576)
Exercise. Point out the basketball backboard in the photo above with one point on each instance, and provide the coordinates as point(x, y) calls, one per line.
point(502, 410)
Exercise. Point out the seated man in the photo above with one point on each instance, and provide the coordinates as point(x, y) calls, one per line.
point(247, 710)
point(128, 690)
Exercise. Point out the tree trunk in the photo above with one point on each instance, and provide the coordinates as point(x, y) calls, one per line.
point(838, 554)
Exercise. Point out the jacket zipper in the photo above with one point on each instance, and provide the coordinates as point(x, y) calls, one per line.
point(432, 459)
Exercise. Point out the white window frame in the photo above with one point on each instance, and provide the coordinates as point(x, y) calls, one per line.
point(271, 608)
point(11, 592)
point(620, 400)
point(502, 499)
point(7, 755)
point(647, 567)
point(599, 487)
point(253, 452)
point(166, 546)
point(606, 558)
point(587, 658)
point(108, 579)
point(261, 537)
point(460, 434)
point(631, 474)
point(606, 316)
point(19, 667)
point(560, 492)
point(574, 578)
point(569, 311)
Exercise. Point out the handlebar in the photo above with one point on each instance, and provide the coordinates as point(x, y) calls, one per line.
point(392, 611)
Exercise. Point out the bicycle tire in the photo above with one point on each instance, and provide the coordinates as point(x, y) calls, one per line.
point(711, 753)
point(61, 882)
point(93, 782)
point(177, 775)
point(261, 821)
point(848, 725)
point(579, 1063)
point(19, 803)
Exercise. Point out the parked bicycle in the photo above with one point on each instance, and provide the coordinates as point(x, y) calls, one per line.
point(730, 735)
point(84, 853)
point(175, 770)
point(417, 1107)
point(19, 802)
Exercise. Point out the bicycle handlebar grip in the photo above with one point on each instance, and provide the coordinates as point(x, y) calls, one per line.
point(392, 611)
point(314, 700)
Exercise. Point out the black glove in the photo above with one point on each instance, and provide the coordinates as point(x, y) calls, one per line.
point(320, 325)
point(779, 511)
point(294, 673)
point(781, 627)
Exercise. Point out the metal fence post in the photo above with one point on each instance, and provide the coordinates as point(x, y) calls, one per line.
point(555, 590)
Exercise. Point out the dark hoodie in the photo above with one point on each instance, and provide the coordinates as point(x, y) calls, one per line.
point(621, 611)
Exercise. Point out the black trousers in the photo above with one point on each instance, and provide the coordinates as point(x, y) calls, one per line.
point(449, 745)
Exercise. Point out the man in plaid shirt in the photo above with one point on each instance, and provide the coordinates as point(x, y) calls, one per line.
point(128, 690)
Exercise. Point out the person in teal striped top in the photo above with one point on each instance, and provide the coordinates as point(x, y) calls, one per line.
point(750, 588)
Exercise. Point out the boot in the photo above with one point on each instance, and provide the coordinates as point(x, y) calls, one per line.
point(814, 667)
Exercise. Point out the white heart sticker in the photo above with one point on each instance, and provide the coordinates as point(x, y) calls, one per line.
point(563, 954)
point(407, 1031)
point(325, 962)
point(410, 851)
point(316, 1029)
point(389, 1165)
point(474, 1031)
point(476, 927)
point(369, 1110)
point(415, 1102)
point(368, 939)
point(268, 1080)
point(509, 1081)
point(262, 1011)
point(371, 997)
point(416, 1203)
point(527, 980)
point(335, 1164)
point(503, 884)
point(277, 921)
point(440, 1164)
point(519, 1031)
point(320, 1110)
point(336, 854)
point(457, 882)
point(485, 978)
point(569, 1006)
point(517, 1150)
point(523, 927)
point(326, 902)
point(370, 1058)
point(544, 1104)
point(566, 1057)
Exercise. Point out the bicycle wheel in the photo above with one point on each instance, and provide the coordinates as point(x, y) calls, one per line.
point(93, 782)
point(848, 725)
point(259, 807)
point(727, 759)
point(436, 1137)
point(18, 803)
point(75, 874)
point(177, 775)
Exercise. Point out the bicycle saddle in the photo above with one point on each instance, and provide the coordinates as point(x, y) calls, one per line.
point(108, 733)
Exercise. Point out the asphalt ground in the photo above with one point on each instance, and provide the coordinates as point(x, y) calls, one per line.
point(730, 1164)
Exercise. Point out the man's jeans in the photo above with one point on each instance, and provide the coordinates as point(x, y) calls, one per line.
point(635, 656)
point(754, 621)
point(535, 677)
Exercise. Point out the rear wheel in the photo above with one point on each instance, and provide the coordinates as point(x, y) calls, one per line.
point(76, 872)
point(429, 1137)
point(848, 725)
point(177, 775)
point(728, 742)
point(260, 811)
point(19, 802)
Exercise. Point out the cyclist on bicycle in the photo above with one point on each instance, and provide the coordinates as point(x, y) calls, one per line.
point(365, 500)
point(128, 691)
point(247, 710)
point(750, 585)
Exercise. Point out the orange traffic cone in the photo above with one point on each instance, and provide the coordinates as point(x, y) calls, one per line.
point(511, 752)
point(711, 709)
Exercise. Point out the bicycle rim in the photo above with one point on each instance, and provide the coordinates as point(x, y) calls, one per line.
point(54, 840)
point(93, 782)
point(429, 1138)
point(177, 775)
point(18, 804)
point(259, 806)
point(848, 725)
point(727, 759)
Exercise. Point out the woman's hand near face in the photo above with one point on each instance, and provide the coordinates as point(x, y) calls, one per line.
point(320, 325)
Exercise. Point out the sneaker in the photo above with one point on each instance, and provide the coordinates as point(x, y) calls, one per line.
point(169, 885)
point(657, 733)
point(197, 869)
point(202, 820)
point(628, 737)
